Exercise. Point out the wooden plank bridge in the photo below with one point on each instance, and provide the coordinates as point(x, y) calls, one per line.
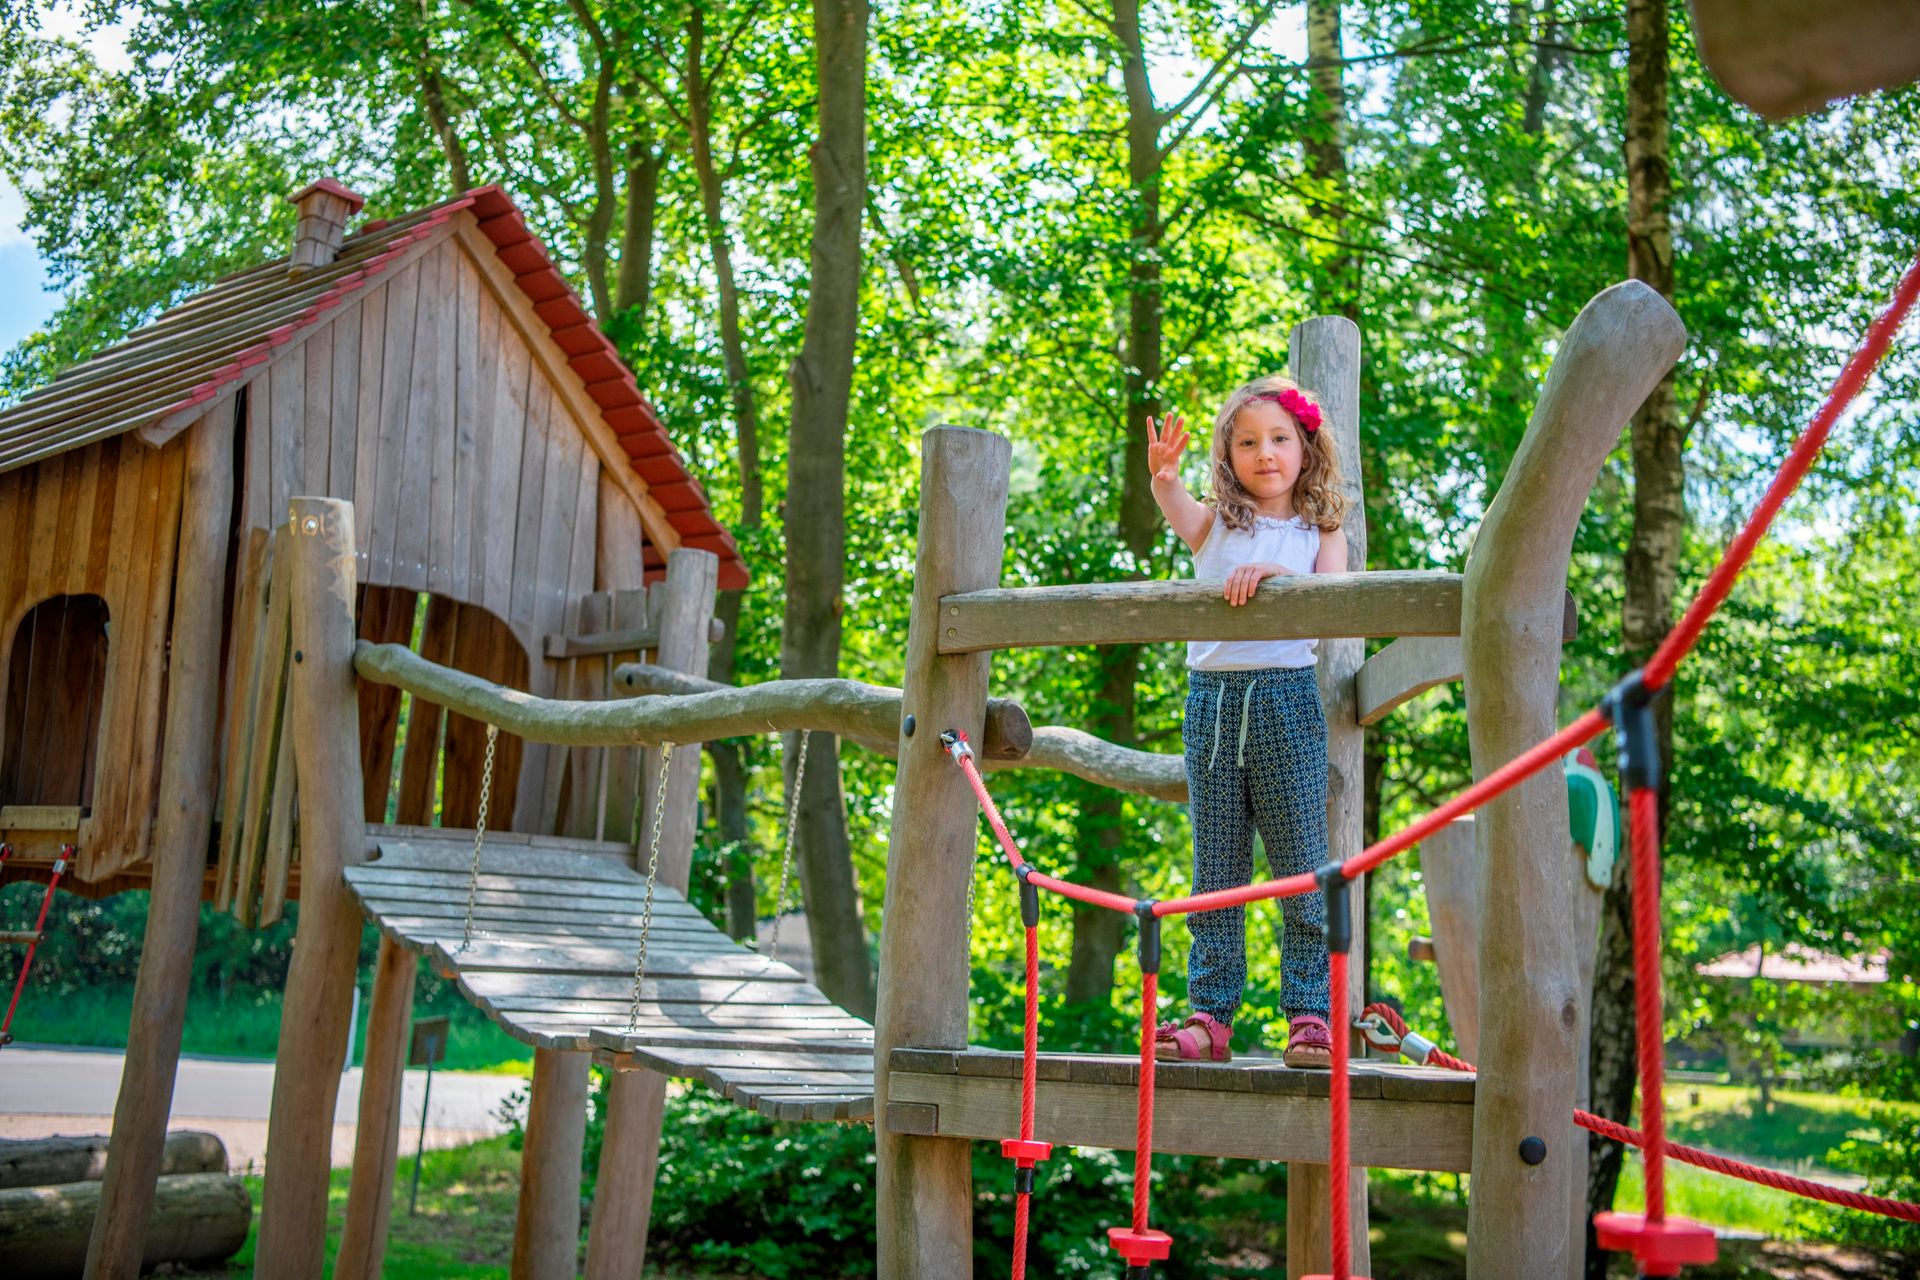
point(556, 924)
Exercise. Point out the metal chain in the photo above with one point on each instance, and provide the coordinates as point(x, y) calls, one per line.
point(786, 854)
point(479, 835)
point(653, 872)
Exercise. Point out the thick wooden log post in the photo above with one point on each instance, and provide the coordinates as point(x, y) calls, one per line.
point(924, 1185)
point(546, 1231)
point(1325, 358)
point(636, 1100)
point(376, 1143)
point(324, 718)
point(1530, 1002)
point(185, 816)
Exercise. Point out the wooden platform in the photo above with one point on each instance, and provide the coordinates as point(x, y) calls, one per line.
point(556, 927)
point(1404, 1117)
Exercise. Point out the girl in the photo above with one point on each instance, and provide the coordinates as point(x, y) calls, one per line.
point(1256, 742)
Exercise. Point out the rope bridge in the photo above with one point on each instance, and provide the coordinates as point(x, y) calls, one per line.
point(1660, 1243)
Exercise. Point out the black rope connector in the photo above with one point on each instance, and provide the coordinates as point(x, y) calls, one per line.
point(1023, 1181)
point(1029, 898)
point(1149, 935)
point(1333, 887)
point(1628, 707)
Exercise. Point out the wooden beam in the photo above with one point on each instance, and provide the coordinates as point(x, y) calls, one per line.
point(324, 719)
point(1412, 665)
point(603, 643)
point(1610, 359)
point(1324, 354)
point(924, 1185)
point(40, 817)
point(376, 1142)
point(1391, 1133)
point(546, 1229)
point(617, 1242)
point(1295, 607)
point(1786, 57)
point(181, 829)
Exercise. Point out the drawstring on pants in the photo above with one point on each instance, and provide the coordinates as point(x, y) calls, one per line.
point(1246, 712)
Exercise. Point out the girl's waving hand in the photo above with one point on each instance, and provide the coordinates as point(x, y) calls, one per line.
point(1165, 442)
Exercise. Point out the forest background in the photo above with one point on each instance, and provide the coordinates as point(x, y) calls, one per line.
point(815, 230)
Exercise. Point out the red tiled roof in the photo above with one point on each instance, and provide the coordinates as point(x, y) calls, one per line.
point(197, 350)
point(1795, 963)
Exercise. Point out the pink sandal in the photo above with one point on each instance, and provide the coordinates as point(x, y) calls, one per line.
point(1309, 1043)
point(1202, 1038)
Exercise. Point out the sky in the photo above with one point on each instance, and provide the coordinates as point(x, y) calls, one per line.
point(27, 297)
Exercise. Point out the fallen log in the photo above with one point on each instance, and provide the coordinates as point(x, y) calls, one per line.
point(198, 1218)
point(43, 1162)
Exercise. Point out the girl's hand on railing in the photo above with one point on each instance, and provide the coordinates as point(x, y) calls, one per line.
point(1246, 579)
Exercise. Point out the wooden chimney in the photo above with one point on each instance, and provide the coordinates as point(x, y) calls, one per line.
point(324, 209)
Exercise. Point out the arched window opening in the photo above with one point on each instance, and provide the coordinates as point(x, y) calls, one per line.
point(56, 670)
point(422, 765)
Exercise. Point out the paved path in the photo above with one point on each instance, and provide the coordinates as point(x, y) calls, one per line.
point(46, 1090)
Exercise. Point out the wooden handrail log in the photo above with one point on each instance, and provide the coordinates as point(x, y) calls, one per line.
point(623, 722)
point(1412, 665)
point(1391, 603)
point(1147, 773)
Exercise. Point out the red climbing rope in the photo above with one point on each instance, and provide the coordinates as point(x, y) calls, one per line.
point(1427, 1054)
point(1338, 1088)
point(39, 931)
point(1643, 816)
point(1143, 1112)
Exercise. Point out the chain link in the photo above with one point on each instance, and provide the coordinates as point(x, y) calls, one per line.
point(786, 854)
point(479, 835)
point(653, 872)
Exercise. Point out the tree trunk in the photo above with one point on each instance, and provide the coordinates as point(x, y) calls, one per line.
point(1540, 80)
point(1653, 556)
point(1096, 940)
point(822, 381)
point(633, 288)
point(730, 817)
point(1325, 151)
point(433, 97)
point(732, 345)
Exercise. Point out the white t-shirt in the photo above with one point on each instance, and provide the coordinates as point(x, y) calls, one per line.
point(1293, 543)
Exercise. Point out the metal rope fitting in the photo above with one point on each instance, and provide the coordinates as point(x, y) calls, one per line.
point(1333, 886)
point(956, 744)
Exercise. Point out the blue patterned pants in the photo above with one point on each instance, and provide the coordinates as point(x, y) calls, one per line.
point(1256, 753)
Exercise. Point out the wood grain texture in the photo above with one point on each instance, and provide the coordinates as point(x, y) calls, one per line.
point(923, 1185)
point(1614, 353)
point(1786, 57)
point(376, 1143)
point(1304, 606)
point(324, 717)
point(183, 823)
point(546, 1229)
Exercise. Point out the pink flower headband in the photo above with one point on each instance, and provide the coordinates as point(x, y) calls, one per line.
point(1304, 411)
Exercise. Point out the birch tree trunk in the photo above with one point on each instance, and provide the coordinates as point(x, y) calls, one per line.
point(816, 523)
point(1653, 554)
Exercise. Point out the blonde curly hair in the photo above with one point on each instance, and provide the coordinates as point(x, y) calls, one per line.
point(1317, 498)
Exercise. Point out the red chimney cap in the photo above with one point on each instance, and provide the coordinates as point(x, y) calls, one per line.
point(333, 187)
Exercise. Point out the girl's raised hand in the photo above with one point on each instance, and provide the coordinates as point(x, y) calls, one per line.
point(1163, 447)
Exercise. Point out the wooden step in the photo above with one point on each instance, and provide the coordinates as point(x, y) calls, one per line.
point(1404, 1117)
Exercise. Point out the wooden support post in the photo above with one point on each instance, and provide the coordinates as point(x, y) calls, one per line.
point(185, 817)
point(1325, 358)
point(324, 718)
point(546, 1232)
point(1450, 871)
point(636, 1100)
point(376, 1144)
point(924, 1186)
point(1611, 357)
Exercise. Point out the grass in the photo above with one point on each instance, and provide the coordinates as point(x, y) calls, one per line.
point(248, 1026)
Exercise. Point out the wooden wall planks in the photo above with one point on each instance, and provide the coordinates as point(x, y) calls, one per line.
point(100, 520)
